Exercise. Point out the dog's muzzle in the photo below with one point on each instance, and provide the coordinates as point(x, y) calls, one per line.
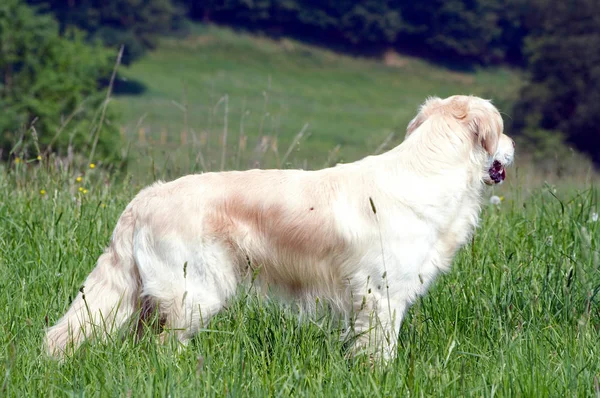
point(497, 173)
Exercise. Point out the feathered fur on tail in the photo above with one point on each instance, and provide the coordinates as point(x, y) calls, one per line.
point(108, 297)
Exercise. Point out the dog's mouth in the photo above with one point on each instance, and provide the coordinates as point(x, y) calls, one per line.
point(497, 173)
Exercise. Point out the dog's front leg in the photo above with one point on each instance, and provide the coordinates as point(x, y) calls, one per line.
point(377, 320)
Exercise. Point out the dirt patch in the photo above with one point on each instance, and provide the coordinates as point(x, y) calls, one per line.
point(461, 78)
point(198, 41)
point(287, 45)
point(394, 60)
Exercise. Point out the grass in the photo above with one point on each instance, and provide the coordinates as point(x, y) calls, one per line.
point(268, 90)
point(518, 315)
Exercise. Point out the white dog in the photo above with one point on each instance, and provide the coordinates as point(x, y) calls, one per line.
point(367, 237)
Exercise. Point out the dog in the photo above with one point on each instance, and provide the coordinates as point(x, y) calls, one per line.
point(367, 237)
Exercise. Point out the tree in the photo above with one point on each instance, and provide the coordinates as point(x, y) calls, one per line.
point(563, 92)
point(136, 24)
point(486, 31)
point(452, 29)
point(48, 79)
point(330, 21)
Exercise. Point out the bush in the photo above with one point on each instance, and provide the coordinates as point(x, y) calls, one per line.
point(135, 24)
point(563, 91)
point(49, 82)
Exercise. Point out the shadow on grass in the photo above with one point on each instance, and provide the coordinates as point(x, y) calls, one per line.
point(126, 86)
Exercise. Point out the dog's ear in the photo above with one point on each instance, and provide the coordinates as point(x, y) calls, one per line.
point(425, 111)
point(481, 118)
point(488, 134)
point(486, 123)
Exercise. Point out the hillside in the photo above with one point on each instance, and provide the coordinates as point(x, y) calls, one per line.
point(278, 87)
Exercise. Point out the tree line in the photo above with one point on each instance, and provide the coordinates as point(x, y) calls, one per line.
point(51, 83)
point(487, 31)
point(556, 42)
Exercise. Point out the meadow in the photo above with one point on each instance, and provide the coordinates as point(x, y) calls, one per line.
point(518, 314)
point(266, 98)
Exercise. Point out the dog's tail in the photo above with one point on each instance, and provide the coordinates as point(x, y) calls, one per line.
point(107, 298)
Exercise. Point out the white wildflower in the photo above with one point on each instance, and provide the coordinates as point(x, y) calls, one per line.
point(495, 200)
point(594, 217)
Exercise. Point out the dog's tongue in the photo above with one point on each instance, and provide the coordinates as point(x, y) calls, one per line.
point(497, 172)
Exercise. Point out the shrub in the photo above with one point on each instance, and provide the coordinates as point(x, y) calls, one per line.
point(49, 81)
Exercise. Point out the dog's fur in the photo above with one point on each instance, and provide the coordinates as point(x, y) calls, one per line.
point(368, 237)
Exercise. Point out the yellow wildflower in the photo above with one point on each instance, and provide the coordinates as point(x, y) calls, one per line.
point(80, 189)
point(79, 179)
point(85, 191)
point(92, 165)
point(42, 192)
point(17, 160)
point(39, 157)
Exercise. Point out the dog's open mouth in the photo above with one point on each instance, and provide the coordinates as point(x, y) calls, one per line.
point(497, 172)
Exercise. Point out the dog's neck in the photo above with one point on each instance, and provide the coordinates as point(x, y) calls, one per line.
point(423, 152)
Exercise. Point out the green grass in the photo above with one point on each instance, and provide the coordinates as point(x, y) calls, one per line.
point(274, 88)
point(518, 315)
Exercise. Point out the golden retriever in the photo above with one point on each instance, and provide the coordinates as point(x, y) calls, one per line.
point(367, 237)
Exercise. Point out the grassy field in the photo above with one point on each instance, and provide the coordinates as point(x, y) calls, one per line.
point(518, 315)
point(267, 91)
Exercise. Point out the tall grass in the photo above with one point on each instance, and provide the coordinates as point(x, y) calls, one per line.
point(518, 315)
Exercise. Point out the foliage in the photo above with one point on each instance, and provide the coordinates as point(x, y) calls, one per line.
point(563, 92)
point(136, 24)
point(454, 29)
point(474, 30)
point(330, 21)
point(49, 80)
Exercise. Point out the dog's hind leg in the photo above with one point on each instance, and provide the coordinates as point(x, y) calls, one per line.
point(187, 315)
point(188, 284)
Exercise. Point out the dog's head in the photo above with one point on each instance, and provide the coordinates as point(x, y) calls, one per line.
point(483, 125)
